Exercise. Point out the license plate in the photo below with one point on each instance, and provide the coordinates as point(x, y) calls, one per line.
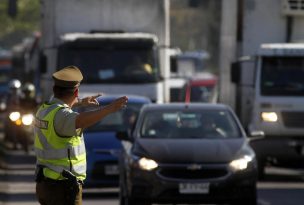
point(111, 170)
point(194, 188)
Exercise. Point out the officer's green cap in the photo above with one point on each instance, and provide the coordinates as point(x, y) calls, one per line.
point(68, 77)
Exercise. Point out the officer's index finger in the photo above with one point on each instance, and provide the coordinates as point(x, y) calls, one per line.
point(96, 96)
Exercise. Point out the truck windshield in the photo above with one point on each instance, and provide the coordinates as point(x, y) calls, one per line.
point(111, 65)
point(282, 76)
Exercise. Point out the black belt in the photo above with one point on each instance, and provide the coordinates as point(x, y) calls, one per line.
point(63, 181)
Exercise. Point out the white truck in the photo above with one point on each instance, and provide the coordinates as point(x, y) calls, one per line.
point(121, 46)
point(269, 84)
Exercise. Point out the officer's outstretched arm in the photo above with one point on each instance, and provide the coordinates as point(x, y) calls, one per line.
point(86, 119)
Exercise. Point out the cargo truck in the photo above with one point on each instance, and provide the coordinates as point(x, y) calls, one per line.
point(269, 80)
point(120, 46)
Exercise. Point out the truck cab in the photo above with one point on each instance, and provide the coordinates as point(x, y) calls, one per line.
point(113, 62)
point(274, 102)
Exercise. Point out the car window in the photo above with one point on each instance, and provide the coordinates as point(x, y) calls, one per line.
point(191, 124)
point(202, 93)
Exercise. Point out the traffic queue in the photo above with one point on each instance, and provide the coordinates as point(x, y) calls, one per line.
point(190, 152)
point(185, 152)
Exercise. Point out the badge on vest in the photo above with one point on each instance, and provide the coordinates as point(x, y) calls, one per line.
point(42, 124)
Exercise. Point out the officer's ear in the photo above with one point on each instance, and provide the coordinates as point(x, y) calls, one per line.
point(76, 91)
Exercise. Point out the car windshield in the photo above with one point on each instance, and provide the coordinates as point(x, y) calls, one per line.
point(282, 76)
point(121, 120)
point(191, 124)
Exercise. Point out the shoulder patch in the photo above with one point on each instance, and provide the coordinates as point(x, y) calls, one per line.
point(42, 124)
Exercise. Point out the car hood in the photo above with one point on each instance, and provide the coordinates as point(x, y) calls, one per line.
point(191, 150)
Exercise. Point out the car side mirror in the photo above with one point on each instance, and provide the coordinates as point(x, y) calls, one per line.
point(124, 136)
point(256, 135)
point(235, 72)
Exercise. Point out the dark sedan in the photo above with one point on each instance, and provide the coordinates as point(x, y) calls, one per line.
point(187, 153)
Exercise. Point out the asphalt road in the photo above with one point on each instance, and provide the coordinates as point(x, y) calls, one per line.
point(17, 187)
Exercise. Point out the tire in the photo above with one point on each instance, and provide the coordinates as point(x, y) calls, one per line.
point(249, 199)
point(261, 169)
point(123, 200)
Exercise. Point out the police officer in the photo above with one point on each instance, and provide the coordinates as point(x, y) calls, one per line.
point(59, 144)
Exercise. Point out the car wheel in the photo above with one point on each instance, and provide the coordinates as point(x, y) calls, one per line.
point(143, 203)
point(249, 199)
point(261, 169)
point(123, 200)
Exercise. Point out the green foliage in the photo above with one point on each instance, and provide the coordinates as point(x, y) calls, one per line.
point(13, 30)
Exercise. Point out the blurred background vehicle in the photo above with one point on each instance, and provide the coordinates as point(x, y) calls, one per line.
point(5, 76)
point(13, 105)
point(187, 153)
point(185, 64)
point(203, 87)
point(189, 74)
point(21, 132)
point(101, 144)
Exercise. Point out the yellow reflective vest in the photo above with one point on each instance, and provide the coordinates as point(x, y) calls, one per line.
point(55, 152)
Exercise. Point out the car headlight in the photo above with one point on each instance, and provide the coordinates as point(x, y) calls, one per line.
point(269, 116)
point(2, 106)
point(14, 116)
point(241, 163)
point(147, 164)
point(27, 119)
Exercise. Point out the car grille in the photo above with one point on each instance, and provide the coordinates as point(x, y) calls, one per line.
point(186, 172)
point(293, 119)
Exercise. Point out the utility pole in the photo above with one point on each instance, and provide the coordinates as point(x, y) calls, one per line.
point(228, 45)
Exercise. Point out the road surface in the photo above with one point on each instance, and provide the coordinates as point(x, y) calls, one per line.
point(17, 187)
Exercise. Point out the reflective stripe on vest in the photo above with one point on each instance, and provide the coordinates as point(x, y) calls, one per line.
point(55, 152)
